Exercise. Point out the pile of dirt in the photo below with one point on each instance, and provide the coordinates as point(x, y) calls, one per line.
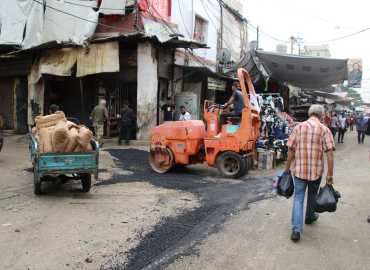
point(57, 135)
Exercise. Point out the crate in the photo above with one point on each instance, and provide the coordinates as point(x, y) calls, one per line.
point(266, 159)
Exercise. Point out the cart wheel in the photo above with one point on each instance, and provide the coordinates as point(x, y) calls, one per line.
point(161, 161)
point(36, 183)
point(86, 182)
point(231, 165)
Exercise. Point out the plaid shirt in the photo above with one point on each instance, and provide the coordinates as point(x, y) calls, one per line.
point(309, 140)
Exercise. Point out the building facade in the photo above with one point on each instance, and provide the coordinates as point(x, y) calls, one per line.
point(139, 52)
point(317, 51)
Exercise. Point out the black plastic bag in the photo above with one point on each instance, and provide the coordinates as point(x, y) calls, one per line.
point(327, 199)
point(285, 186)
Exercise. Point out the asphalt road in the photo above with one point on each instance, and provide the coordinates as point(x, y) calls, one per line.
point(259, 238)
point(133, 218)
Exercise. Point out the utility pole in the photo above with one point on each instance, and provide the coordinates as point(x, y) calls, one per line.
point(258, 37)
point(292, 40)
point(299, 42)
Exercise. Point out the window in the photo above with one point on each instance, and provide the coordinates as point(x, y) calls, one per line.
point(200, 29)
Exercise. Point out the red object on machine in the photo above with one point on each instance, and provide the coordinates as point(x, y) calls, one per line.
point(229, 146)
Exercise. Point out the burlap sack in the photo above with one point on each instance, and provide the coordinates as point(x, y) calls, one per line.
point(60, 137)
point(80, 149)
point(50, 120)
point(71, 125)
point(72, 140)
point(44, 135)
point(84, 137)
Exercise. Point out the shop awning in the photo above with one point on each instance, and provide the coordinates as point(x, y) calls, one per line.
point(206, 71)
point(303, 71)
point(337, 97)
point(98, 58)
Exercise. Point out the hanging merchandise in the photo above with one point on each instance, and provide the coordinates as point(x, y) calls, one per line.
point(276, 126)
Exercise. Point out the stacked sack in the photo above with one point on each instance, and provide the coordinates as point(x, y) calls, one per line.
point(57, 135)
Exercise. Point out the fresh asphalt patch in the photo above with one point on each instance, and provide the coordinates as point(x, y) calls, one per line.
point(178, 236)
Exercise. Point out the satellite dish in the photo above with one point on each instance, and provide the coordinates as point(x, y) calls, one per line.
point(224, 56)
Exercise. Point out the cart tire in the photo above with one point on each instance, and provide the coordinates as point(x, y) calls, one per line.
point(36, 183)
point(86, 182)
point(231, 165)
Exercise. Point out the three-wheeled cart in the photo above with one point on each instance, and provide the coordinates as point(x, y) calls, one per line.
point(68, 166)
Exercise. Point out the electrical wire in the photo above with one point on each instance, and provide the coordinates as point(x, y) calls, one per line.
point(342, 37)
point(76, 16)
point(169, 27)
point(213, 23)
point(183, 20)
point(100, 8)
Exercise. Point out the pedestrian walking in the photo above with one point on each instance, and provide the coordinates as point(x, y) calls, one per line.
point(168, 110)
point(184, 114)
point(334, 124)
point(352, 122)
point(342, 128)
point(307, 145)
point(361, 125)
point(327, 120)
point(98, 116)
point(127, 124)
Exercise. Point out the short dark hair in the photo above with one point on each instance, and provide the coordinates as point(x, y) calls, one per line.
point(53, 108)
point(182, 107)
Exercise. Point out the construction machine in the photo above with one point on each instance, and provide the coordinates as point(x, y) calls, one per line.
point(229, 146)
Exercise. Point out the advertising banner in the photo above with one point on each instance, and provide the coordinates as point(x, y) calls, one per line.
point(354, 73)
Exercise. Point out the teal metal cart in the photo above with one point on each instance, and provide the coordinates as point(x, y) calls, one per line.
point(68, 166)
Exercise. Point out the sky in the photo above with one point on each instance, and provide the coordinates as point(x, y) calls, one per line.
point(316, 21)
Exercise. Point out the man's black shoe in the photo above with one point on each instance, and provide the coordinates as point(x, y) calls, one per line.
point(295, 237)
point(309, 221)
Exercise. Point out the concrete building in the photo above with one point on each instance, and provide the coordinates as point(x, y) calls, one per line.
point(133, 53)
point(282, 48)
point(317, 51)
point(224, 31)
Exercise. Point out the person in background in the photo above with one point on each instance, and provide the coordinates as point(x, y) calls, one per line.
point(334, 124)
point(168, 110)
point(98, 116)
point(361, 125)
point(307, 145)
point(126, 124)
point(352, 121)
point(53, 108)
point(237, 100)
point(342, 127)
point(184, 114)
point(327, 120)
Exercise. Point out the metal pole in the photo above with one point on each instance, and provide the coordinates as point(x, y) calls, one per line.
point(258, 37)
point(291, 44)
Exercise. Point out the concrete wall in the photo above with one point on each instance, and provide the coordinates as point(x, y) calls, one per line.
point(234, 35)
point(183, 14)
point(147, 89)
point(36, 92)
point(7, 101)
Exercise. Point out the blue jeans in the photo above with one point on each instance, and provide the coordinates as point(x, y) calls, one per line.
point(300, 186)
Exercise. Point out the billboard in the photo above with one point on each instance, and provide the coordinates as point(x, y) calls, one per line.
point(354, 73)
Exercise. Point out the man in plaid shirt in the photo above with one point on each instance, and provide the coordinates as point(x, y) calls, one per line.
point(307, 145)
